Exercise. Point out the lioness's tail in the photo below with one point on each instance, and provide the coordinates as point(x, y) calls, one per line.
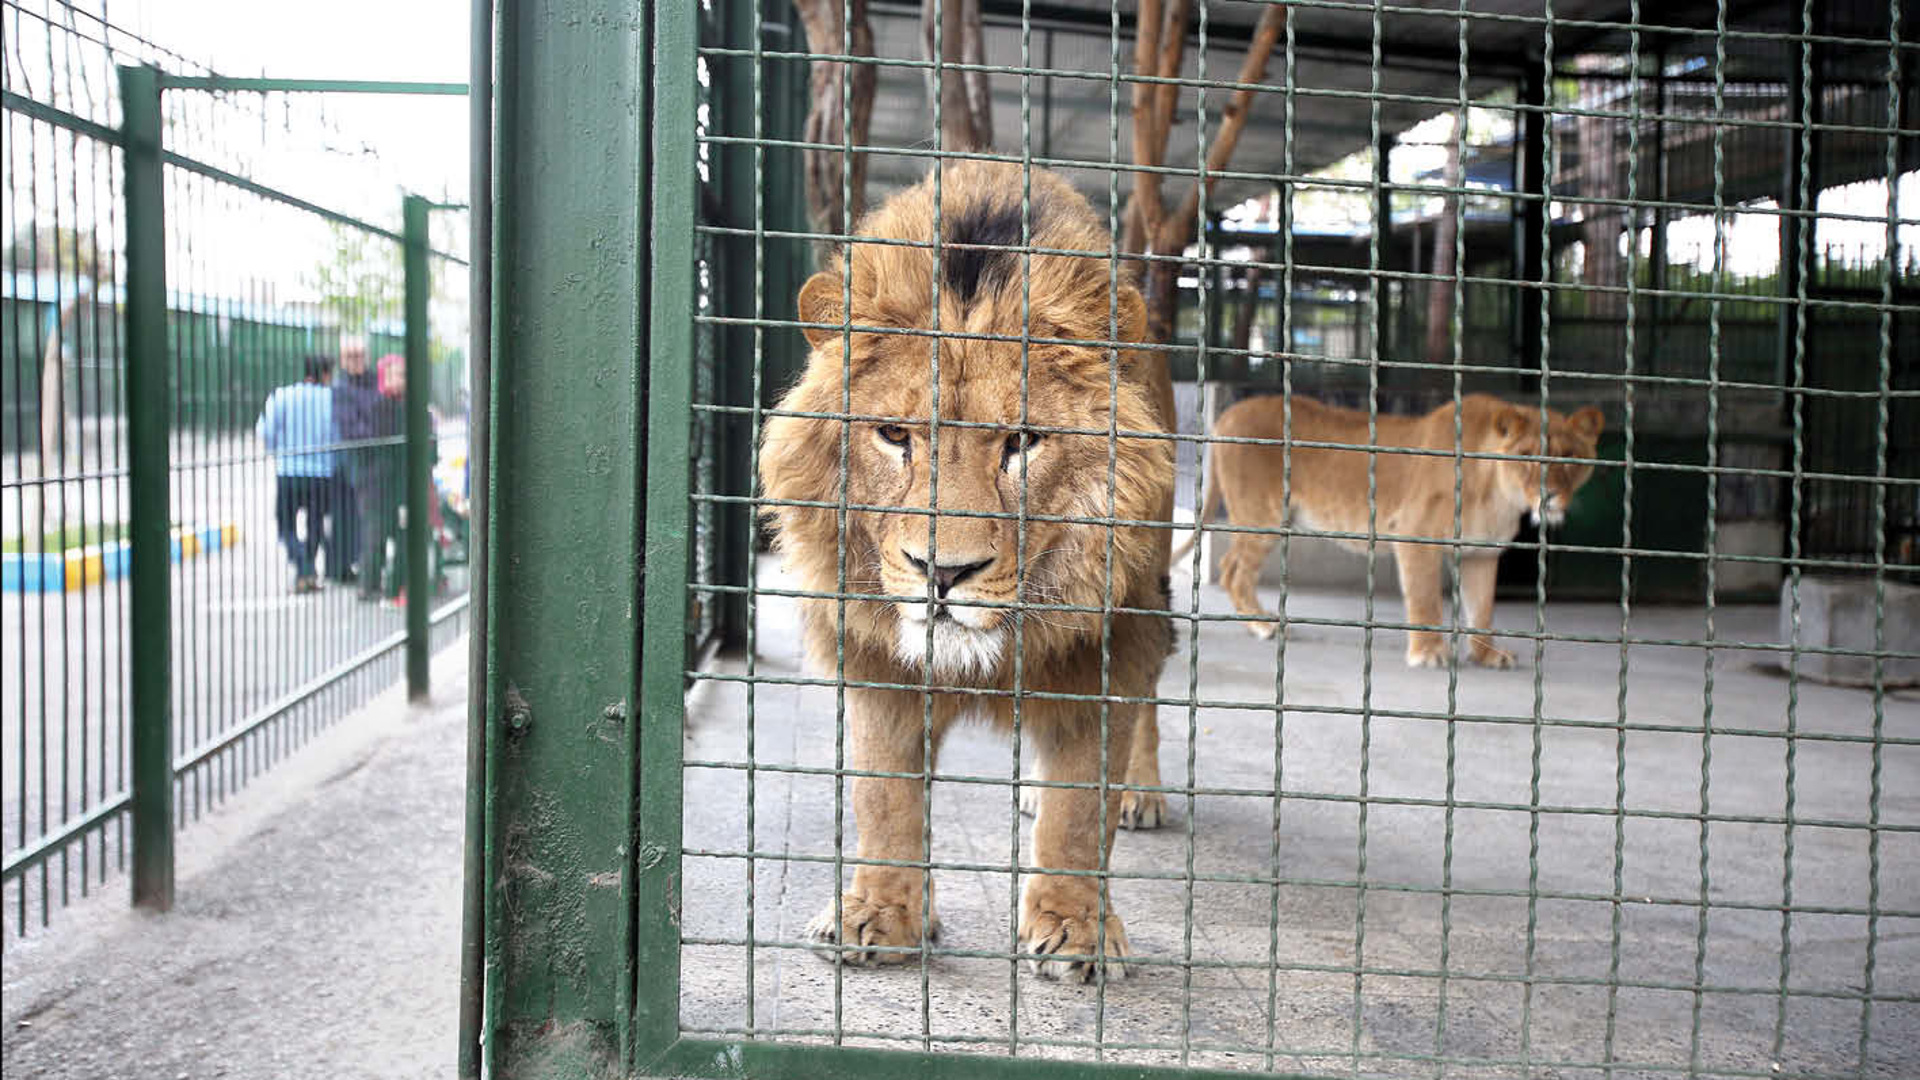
point(1209, 506)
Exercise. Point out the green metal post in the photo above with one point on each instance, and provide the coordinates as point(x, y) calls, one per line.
point(1383, 225)
point(741, 200)
point(788, 260)
point(149, 419)
point(1530, 263)
point(470, 1060)
point(419, 431)
point(673, 200)
point(570, 252)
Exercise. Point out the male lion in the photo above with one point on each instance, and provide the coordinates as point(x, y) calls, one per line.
point(1414, 496)
point(932, 566)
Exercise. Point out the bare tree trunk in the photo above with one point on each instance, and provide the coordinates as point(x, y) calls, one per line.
point(53, 419)
point(1150, 229)
point(1160, 41)
point(1180, 228)
point(966, 110)
point(1446, 232)
point(837, 179)
point(1600, 226)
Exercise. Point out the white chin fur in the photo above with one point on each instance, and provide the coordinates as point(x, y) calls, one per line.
point(959, 651)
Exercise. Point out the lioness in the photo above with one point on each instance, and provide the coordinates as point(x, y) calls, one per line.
point(1413, 494)
point(930, 595)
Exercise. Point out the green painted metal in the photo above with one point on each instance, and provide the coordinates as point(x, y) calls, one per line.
point(479, 793)
point(720, 1059)
point(418, 290)
point(672, 199)
point(37, 110)
point(149, 469)
point(740, 203)
point(226, 84)
point(569, 247)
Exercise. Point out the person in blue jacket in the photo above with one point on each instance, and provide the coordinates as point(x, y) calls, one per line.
point(297, 426)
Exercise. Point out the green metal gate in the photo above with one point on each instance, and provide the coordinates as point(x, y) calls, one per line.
point(166, 273)
point(1674, 841)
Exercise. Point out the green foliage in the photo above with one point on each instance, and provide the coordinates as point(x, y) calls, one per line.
point(361, 279)
point(62, 248)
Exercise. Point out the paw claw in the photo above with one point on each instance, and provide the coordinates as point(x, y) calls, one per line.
point(1030, 802)
point(1064, 947)
point(863, 929)
point(1142, 809)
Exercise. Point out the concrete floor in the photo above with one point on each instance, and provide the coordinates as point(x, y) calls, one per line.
point(318, 925)
point(1235, 1008)
point(316, 932)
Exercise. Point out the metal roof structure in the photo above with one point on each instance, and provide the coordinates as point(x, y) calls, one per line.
point(1076, 93)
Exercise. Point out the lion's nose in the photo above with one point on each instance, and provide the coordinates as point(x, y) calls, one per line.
point(946, 575)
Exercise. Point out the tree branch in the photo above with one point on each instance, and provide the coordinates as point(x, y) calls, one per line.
point(829, 80)
point(1177, 232)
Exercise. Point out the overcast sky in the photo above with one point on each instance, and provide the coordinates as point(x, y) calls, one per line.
point(423, 140)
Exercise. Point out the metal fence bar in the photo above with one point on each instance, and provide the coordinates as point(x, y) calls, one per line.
point(417, 290)
point(479, 790)
point(227, 84)
point(150, 467)
point(662, 516)
point(567, 731)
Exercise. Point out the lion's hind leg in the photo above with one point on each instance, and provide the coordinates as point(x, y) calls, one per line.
point(1240, 576)
point(1144, 809)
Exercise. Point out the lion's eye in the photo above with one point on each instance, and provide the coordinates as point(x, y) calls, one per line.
point(892, 433)
point(1019, 442)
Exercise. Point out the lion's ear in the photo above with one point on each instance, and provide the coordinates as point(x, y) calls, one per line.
point(1510, 420)
point(1588, 422)
point(820, 303)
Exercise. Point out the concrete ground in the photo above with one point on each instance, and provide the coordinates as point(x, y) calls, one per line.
point(317, 928)
point(1298, 900)
point(316, 932)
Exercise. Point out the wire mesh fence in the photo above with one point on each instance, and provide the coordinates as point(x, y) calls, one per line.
point(951, 317)
point(278, 476)
point(1620, 307)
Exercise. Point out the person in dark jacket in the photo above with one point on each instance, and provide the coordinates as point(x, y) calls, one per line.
point(372, 421)
point(343, 532)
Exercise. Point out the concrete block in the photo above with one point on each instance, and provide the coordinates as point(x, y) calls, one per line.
point(1838, 613)
point(1735, 580)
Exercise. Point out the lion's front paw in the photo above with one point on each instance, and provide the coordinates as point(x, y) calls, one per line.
point(1487, 654)
point(1262, 630)
point(1142, 809)
point(1060, 922)
point(868, 929)
point(1426, 655)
